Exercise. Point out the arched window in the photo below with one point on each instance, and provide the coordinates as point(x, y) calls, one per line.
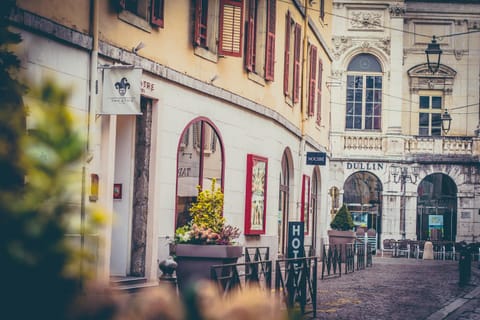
point(200, 160)
point(364, 93)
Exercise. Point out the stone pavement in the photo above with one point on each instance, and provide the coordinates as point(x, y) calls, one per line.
point(401, 288)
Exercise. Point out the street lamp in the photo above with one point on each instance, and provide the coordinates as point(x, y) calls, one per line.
point(402, 175)
point(433, 53)
point(446, 120)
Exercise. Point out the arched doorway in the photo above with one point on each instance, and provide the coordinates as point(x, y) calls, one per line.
point(437, 208)
point(200, 160)
point(363, 197)
point(315, 192)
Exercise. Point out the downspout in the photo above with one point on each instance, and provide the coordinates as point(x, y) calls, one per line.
point(90, 119)
point(303, 101)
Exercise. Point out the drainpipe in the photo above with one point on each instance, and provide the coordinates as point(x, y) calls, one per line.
point(90, 119)
point(303, 101)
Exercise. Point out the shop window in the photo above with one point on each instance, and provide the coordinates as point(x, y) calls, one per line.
point(364, 93)
point(429, 115)
point(199, 161)
point(260, 39)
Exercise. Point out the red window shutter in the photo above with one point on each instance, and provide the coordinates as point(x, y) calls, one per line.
point(286, 63)
point(319, 91)
point(250, 40)
point(157, 13)
point(296, 63)
point(231, 23)
point(270, 50)
point(312, 80)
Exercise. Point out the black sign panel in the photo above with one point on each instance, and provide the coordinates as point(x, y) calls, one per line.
point(295, 247)
point(318, 158)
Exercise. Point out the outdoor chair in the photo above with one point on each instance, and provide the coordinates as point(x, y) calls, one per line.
point(449, 250)
point(438, 250)
point(419, 247)
point(388, 245)
point(403, 248)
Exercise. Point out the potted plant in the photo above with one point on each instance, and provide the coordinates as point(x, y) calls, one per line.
point(342, 228)
point(206, 240)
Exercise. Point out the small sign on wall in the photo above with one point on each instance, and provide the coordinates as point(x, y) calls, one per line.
point(117, 191)
point(466, 215)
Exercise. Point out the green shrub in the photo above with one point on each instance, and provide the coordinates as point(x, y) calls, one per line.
point(343, 220)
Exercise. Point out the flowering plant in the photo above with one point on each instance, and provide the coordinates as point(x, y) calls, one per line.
point(208, 224)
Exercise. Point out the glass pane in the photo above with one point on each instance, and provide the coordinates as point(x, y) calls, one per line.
point(358, 95)
point(358, 123)
point(377, 109)
point(368, 123)
point(358, 82)
point(377, 123)
point(349, 122)
point(368, 109)
point(424, 119)
point(358, 109)
point(436, 131)
point(436, 120)
point(423, 131)
point(350, 81)
point(188, 174)
point(424, 102)
point(436, 102)
point(349, 94)
point(349, 108)
point(370, 81)
point(378, 82)
point(212, 158)
point(378, 95)
point(369, 95)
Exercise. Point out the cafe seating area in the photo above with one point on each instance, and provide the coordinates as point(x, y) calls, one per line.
point(414, 249)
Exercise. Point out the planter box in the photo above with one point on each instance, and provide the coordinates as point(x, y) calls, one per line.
point(336, 237)
point(194, 261)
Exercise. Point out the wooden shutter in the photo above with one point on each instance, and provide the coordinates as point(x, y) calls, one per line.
point(250, 40)
point(319, 91)
point(270, 50)
point(312, 80)
point(157, 13)
point(286, 63)
point(231, 23)
point(296, 63)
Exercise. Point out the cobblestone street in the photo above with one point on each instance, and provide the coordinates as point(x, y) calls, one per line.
point(399, 288)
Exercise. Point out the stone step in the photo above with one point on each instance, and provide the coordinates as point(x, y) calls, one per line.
point(131, 284)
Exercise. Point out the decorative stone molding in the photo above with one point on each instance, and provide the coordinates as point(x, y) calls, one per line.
point(397, 10)
point(459, 54)
point(422, 79)
point(337, 73)
point(366, 20)
point(384, 45)
point(340, 45)
point(473, 24)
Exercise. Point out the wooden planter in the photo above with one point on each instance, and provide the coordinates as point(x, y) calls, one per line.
point(194, 261)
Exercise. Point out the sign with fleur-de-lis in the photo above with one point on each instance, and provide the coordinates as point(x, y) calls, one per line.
point(121, 90)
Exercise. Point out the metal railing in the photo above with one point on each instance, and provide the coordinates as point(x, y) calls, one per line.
point(331, 261)
point(296, 280)
point(240, 275)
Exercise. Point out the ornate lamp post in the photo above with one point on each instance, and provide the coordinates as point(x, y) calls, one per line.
point(433, 53)
point(402, 174)
point(446, 121)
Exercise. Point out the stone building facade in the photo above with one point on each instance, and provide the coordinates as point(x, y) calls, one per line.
point(392, 163)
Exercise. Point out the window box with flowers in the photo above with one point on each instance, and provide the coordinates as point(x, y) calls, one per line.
point(206, 240)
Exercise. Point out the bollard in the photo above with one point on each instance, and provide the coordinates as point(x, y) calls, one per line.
point(465, 265)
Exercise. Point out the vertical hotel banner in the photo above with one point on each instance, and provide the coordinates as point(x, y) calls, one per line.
point(121, 90)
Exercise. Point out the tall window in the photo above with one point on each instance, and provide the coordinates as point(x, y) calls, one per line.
point(364, 93)
point(218, 26)
point(291, 70)
point(200, 160)
point(260, 39)
point(429, 116)
point(312, 80)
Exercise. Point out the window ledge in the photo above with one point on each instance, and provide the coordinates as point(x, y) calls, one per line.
point(256, 78)
point(135, 20)
point(206, 54)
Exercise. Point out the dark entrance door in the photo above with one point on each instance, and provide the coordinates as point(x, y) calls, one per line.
point(437, 208)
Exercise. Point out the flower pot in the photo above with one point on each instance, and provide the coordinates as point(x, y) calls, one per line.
point(337, 237)
point(194, 261)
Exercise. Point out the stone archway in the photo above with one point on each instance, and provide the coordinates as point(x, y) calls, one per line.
point(437, 208)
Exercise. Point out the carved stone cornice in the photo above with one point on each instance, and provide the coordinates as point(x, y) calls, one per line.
point(397, 10)
point(340, 45)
